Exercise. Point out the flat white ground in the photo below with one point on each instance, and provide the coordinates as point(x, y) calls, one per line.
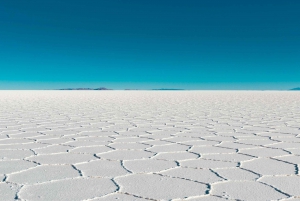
point(149, 145)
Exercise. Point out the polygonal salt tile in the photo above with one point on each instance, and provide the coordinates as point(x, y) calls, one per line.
point(14, 154)
point(23, 146)
point(70, 189)
point(48, 138)
point(119, 196)
point(140, 129)
point(91, 150)
point(258, 142)
point(173, 128)
point(156, 136)
point(130, 139)
point(7, 167)
point(201, 163)
point(99, 124)
point(15, 141)
point(265, 166)
point(125, 155)
point(168, 148)
point(205, 198)
point(62, 158)
point(82, 128)
point(36, 129)
point(180, 139)
point(176, 156)
point(200, 143)
point(159, 187)
point(43, 173)
point(227, 157)
point(117, 145)
point(55, 141)
point(227, 134)
point(237, 174)
point(156, 142)
point(102, 168)
point(286, 184)
point(264, 152)
point(98, 133)
point(52, 149)
point(235, 145)
point(148, 165)
point(219, 138)
point(195, 134)
point(256, 128)
point(219, 129)
point(200, 175)
point(93, 139)
point(29, 135)
point(212, 150)
point(132, 133)
point(85, 143)
point(273, 134)
point(114, 129)
point(41, 138)
point(8, 191)
point(163, 132)
point(246, 190)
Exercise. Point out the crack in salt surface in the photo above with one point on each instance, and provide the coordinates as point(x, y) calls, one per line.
point(239, 121)
point(75, 168)
point(276, 189)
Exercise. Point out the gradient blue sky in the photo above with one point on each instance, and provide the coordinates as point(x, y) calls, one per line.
point(145, 44)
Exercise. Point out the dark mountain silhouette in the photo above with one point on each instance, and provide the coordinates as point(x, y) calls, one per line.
point(167, 89)
point(295, 89)
point(100, 88)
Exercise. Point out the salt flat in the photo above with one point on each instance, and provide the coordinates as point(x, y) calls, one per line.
point(149, 145)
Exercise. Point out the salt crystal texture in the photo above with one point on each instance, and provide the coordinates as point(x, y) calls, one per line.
point(149, 145)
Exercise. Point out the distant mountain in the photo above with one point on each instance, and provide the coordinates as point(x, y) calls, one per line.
point(295, 89)
point(131, 89)
point(77, 89)
point(100, 88)
point(168, 89)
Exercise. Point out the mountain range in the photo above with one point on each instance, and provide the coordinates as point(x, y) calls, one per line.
point(100, 88)
point(295, 89)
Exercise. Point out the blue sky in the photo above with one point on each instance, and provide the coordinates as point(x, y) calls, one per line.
point(147, 44)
